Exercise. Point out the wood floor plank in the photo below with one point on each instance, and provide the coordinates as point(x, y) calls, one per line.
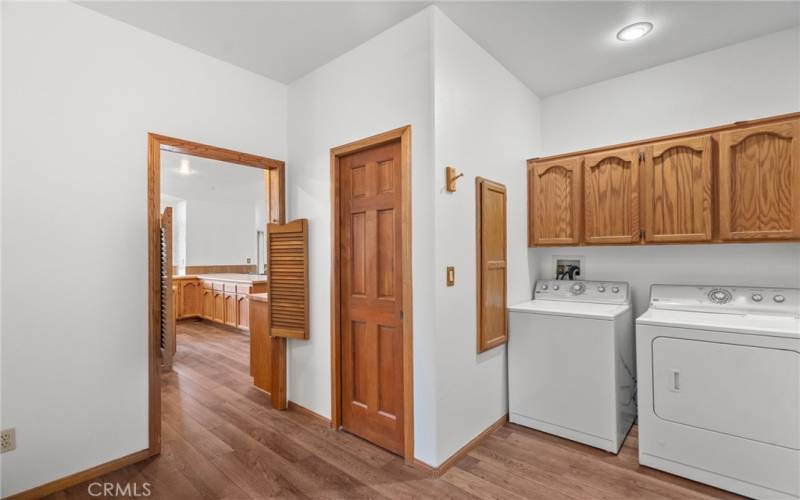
point(221, 439)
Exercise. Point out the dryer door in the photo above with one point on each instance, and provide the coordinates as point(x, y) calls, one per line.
point(746, 391)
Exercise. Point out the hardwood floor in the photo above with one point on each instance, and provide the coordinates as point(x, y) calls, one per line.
point(221, 439)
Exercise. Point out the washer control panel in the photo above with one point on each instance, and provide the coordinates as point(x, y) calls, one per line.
point(726, 299)
point(603, 292)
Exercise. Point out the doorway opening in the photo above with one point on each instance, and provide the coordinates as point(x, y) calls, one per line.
point(213, 209)
point(371, 300)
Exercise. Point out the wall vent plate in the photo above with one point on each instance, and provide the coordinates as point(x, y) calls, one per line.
point(569, 267)
point(8, 440)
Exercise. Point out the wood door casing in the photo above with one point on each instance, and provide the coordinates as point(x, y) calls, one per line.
point(555, 192)
point(372, 295)
point(677, 190)
point(759, 182)
point(611, 197)
point(491, 251)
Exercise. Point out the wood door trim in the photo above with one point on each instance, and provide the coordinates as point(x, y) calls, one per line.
point(403, 134)
point(679, 135)
point(155, 144)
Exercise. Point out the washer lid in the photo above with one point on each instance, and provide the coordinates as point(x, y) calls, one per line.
point(753, 324)
point(571, 309)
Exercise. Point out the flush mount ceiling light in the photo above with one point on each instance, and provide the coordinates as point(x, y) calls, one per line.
point(185, 167)
point(634, 31)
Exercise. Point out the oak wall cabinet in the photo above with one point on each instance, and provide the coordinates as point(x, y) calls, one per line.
point(676, 190)
point(611, 196)
point(759, 188)
point(738, 182)
point(556, 191)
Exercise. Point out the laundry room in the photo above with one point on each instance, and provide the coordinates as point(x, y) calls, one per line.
point(400, 249)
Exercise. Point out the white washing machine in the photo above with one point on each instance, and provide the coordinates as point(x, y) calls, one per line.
point(571, 362)
point(719, 387)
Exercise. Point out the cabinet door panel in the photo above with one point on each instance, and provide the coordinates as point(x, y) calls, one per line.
point(760, 182)
point(230, 308)
point(611, 197)
point(219, 307)
point(676, 190)
point(242, 311)
point(554, 191)
point(208, 304)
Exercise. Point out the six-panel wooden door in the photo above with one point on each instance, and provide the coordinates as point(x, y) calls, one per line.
point(759, 182)
point(611, 196)
point(372, 295)
point(555, 193)
point(677, 190)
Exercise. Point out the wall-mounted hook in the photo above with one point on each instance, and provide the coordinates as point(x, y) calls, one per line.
point(450, 173)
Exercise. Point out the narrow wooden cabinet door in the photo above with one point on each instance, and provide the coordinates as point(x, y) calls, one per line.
point(208, 304)
point(492, 271)
point(759, 182)
point(230, 309)
point(242, 311)
point(219, 307)
point(554, 202)
point(676, 190)
point(611, 197)
point(191, 299)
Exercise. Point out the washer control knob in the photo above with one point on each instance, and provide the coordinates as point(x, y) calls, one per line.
point(601, 289)
point(757, 297)
point(779, 298)
point(577, 288)
point(720, 296)
point(614, 289)
point(556, 287)
point(544, 287)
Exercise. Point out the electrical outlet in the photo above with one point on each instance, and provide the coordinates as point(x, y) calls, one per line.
point(8, 440)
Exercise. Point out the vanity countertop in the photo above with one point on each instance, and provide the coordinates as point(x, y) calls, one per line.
point(259, 297)
point(230, 277)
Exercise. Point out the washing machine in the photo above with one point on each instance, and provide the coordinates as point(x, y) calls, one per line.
point(571, 362)
point(719, 387)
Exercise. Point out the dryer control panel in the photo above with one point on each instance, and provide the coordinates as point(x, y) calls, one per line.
point(727, 299)
point(599, 292)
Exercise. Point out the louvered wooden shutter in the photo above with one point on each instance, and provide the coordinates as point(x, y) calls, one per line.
point(287, 248)
point(167, 309)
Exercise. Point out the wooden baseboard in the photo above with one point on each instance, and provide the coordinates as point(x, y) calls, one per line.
point(79, 477)
point(305, 411)
point(461, 453)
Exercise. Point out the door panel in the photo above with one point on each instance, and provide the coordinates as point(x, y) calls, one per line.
point(555, 202)
point(491, 265)
point(371, 295)
point(760, 182)
point(611, 201)
point(676, 190)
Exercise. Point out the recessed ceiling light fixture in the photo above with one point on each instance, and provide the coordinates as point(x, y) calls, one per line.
point(634, 31)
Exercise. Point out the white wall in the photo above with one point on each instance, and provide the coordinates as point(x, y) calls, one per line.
point(220, 233)
point(82, 91)
point(753, 79)
point(486, 124)
point(383, 84)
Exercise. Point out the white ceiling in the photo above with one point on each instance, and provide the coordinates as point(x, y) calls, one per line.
point(550, 46)
point(210, 180)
